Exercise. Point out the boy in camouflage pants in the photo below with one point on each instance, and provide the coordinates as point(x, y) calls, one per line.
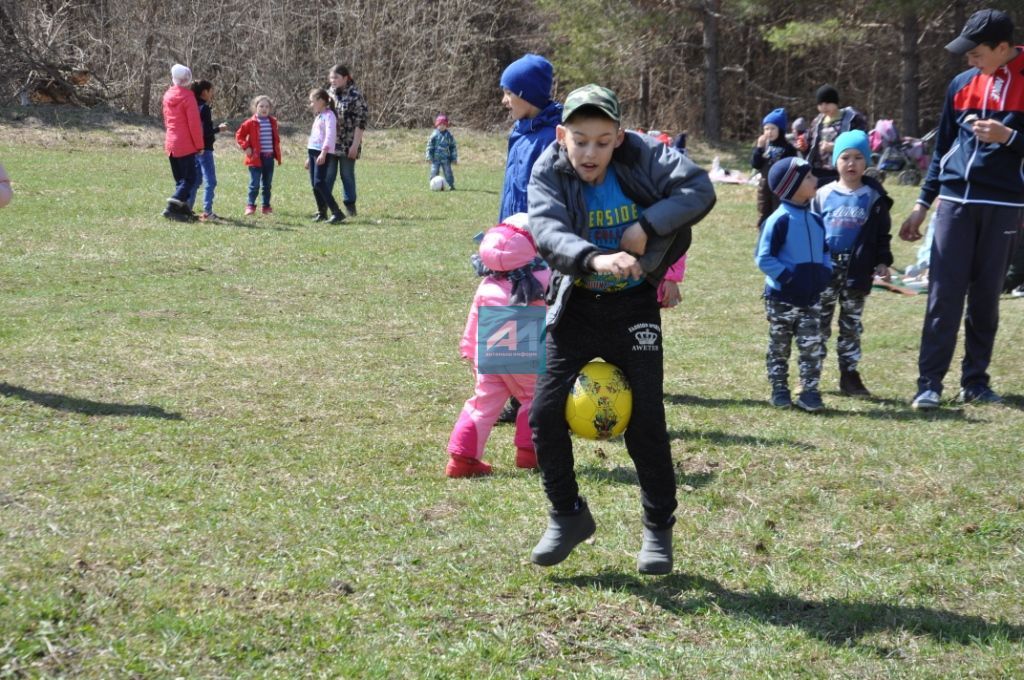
point(793, 255)
point(855, 212)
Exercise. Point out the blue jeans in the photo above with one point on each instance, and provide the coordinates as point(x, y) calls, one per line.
point(183, 169)
point(446, 168)
point(347, 170)
point(318, 175)
point(265, 173)
point(205, 172)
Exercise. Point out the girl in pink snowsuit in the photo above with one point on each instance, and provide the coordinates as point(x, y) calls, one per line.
point(513, 275)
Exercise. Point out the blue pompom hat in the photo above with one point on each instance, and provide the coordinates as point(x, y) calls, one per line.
point(530, 77)
point(778, 119)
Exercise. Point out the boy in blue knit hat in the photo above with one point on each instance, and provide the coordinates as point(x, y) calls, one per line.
point(794, 258)
point(526, 93)
point(855, 211)
point(770, 148)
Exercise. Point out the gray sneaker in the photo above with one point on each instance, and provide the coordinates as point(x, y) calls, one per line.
point(926, 400)
point(564, 533)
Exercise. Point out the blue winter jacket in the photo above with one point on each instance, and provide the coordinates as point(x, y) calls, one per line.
point(793, 255)
point(529, 137)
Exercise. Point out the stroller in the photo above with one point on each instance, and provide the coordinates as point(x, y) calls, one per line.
point(904, 156)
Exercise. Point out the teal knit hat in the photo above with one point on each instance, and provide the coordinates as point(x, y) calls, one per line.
point(853, 139)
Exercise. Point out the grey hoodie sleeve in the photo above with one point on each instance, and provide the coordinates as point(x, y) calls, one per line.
point(686, 187)
point(550, 221)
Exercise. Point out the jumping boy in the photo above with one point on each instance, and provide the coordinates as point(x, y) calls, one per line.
point(976, 174)
point(794, 258)
point(610, 211)
point(855, 211)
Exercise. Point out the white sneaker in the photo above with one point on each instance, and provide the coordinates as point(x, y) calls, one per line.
point(926, 400)
point(1018, 291)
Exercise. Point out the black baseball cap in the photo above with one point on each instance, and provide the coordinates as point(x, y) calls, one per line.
point(985, 26)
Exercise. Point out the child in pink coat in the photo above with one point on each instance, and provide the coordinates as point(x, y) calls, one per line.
point(668, 290)
point(513, 275)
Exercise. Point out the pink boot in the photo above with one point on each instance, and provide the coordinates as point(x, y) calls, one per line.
point(462, 466)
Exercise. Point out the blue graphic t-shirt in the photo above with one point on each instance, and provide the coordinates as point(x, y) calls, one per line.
point(609, 212)
point(844, 214)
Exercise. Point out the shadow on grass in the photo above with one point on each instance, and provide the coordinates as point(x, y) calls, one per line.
point(493, 192)
point(903, 412)
point(1014, 401)
point(627, 475)
point(249, 224)
point(838, 622)
point(62, 402)
point(710, 402)
point(898, 409)
point(719, 438)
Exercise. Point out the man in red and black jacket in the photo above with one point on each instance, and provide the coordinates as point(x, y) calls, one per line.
point(977, 173)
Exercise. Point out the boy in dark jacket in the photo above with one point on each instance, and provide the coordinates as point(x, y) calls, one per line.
point(855, 211)
point(830, 122)
point(794, 258)
point(771, 147)
point(976, 174)
point(610, 212)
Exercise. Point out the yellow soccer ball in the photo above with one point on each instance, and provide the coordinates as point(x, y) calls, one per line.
point(600, 402)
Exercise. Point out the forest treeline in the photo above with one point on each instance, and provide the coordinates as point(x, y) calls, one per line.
point(713, 67)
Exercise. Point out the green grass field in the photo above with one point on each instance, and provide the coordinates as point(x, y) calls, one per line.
point(222, 453)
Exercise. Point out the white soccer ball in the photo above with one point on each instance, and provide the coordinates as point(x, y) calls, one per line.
point(437, 183)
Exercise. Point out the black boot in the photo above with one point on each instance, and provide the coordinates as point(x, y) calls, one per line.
point(851, 385)
point(177, 211)
point(509, 413)
point(655, 555)
point(564, 532)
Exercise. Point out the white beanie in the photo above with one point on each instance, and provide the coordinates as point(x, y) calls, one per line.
point(181, 74)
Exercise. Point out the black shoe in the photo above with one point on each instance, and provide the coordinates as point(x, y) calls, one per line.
point(780, 397)
point(851, 385)
point(655, 555)
point(510, 412)
point(175, 215)
point(979, 394)
point(319, 217)
point(336, 218)
point(350, 208)
point(810, 401)
point(564, 533)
